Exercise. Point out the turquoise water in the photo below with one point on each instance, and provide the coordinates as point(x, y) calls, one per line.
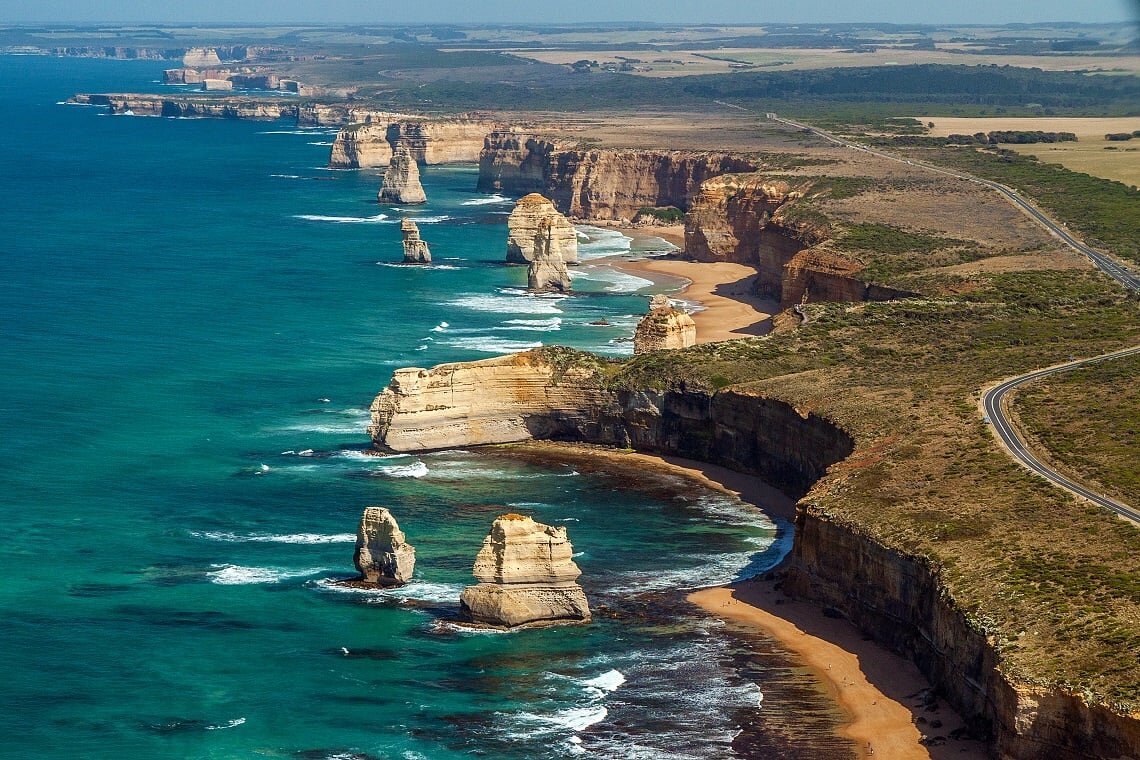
point(196, 316)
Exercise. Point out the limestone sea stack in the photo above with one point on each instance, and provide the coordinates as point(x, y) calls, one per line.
point(523, 226)
point(416, 249)
point(664, 328)
point(383, 556)
point(547, 271)
point(526, 577)
point(402, 180)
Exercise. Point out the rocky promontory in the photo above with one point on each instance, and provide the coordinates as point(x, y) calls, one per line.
point(526, 577)
point(383, 556)
point(526, 222)
point(664, 327)
point(432, 141)
point(416, 250)
point(402, 180)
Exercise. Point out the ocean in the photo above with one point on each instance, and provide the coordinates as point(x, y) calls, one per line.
point(196, 315)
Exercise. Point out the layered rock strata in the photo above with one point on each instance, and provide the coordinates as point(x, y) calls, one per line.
point(383, 556)
point(896, 598)
point(547, 271)
point(198, 57)
point(750, 219)
point(664, 327)
point(434, 141)
point(416, 250)
point(598, 184)
point(524, 225)
point(309, 114)
point(402, 181)
point(526, 577)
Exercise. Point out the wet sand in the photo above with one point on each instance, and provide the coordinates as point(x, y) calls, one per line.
point(887, 701)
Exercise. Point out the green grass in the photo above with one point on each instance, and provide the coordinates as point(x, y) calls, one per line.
point(1105, 213)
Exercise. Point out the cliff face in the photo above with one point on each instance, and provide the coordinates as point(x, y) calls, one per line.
point(598, 184)
point(894, 597)
point(441, 141)
point(547, 271)
point(664, 328)
point(190, 107)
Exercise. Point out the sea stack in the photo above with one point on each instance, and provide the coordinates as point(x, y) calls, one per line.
point(664, 328)
point(382, 556)
point(547, 271)
point(523, 225)
point(402, 180)
point(416, 249)
point(526, 577)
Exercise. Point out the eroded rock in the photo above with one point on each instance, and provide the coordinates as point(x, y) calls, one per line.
point(416, 249)
point(525, 223)
point(382, 556)
point(664, 327)
point(526, 576)
point(547, 271)
point(402, 180)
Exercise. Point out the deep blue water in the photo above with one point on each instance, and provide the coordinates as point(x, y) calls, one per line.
point(195, 316)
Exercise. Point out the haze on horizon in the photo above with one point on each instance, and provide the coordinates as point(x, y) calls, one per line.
point(581, 11)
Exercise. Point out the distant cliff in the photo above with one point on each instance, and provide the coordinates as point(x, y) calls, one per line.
point(431, 141)
point(598, 183)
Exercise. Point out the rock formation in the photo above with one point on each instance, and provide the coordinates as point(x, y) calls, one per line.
point(402, 180)
point(664, 328)
point(599, 183)
point(415, 248)
point(526, 577)
point(198, 57)
point(431, 141)
point(524, 224)
point(216, 85)
point(382, 555)
point(499, 400)
point(547, 271)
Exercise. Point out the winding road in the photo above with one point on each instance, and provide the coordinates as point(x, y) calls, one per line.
point(992, 399)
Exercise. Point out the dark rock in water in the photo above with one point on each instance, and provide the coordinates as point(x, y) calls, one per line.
point(383, 556)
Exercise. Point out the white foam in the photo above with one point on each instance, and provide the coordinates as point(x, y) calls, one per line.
point(490, 345)
point(229, 724)
point(573, 718)
point(494, 199)
point(614, 281)
point(552, 324)
point(429, 219)
point(270, 538)
point(325, 144)
point(287, 176)
point(237, 575)
point(509, 304)
point(377, 219)
point(413, 470)
point(440, 327)
point(601, 242)
point(606, 682)
point(425, 591)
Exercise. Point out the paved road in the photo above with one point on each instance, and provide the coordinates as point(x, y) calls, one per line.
point(992, 403)
point(1115, 270)
point(992, 400)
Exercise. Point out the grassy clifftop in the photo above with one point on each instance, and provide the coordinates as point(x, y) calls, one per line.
point(1052, 580)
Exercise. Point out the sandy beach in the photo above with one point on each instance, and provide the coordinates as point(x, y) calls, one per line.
point(891, 712)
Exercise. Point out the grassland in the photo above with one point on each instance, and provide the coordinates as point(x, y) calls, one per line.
point(1052, 580)
point(1088, 423)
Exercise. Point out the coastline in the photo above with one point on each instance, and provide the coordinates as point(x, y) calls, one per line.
point(888, 704)
point(725, 291)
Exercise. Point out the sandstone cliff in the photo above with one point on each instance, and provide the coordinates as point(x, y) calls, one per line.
point(526, 576)
point(219, 107)
point(416, 250)
point(547, 270)
point(431, 141)
point(383, 556)
point(664, 328)
point(528, 215)
point(199, 57)
point(751, 219)
point(402, 180)
point(894, 597)
point(598, 184)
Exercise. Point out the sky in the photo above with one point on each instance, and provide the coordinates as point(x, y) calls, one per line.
point(562, 11)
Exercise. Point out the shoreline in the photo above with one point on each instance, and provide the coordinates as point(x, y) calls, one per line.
point(886, 700)
point(725, 291)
